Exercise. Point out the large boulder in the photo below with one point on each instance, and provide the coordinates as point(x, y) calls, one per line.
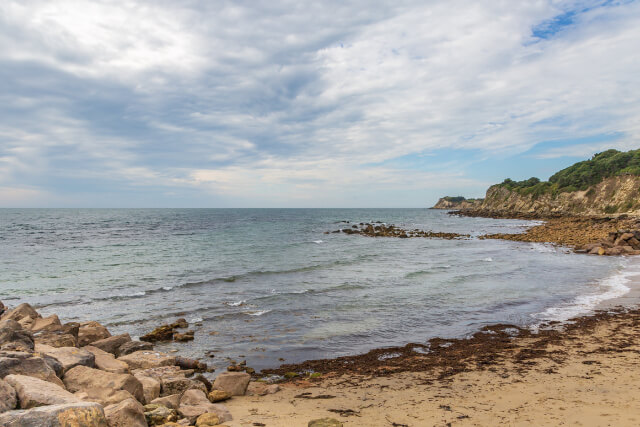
point(261, 389)
point(42, 323)
point(112, 344)
point(79, 414)
point(150, 387)
point(161, 333)
point(194, 403)
point(34, 392)
point(106, 361)
point(69, 357)
point(82, 378)
point(90, 332)
point(133, 346)
point(234, 382)
point(21, 312)
point(177, 385)
point(128, 413)
point(20, 363)
point(171, 402)
point(104, 396)
point(8, 399)
point(163, 372)
point(147, 359)
point(55, 338)
point(14, 338)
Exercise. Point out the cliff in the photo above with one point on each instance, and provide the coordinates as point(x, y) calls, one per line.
point(606, 184)
point(458, 202)
point(614, 195)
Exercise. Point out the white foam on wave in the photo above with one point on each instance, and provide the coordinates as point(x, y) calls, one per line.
point(196, 320)
point(318, 241)
point(543, 248)
point(257, 313)
point(235, 303)
point(167, 288)
point(489, 259)
point(611, 287)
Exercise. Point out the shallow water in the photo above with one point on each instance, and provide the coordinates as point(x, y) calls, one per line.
point(265, 284)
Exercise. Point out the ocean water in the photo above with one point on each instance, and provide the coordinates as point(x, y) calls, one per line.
point(268, 284)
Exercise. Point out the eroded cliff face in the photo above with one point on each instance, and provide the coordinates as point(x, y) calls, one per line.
point(443, 203)
point(616, 195)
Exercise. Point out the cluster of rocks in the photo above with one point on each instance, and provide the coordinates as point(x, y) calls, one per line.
point(620, 242)
point(78, 374)
point(379, 229)
point(168, 332)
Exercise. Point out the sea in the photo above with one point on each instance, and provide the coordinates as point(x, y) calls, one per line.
point(269, 286)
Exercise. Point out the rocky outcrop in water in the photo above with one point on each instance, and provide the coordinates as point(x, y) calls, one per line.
point(380, 229)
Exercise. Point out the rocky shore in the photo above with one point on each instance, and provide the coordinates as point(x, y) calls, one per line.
point(79, 375)
point(597, 235)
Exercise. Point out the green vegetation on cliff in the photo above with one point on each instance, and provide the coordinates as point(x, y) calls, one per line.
point(457, 199)
point(581, 175)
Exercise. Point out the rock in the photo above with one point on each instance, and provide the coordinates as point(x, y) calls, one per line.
point(79, 414)
point(82, 378)
point(112, 344)
point(186, 363)
point(90, 332)
point(69, 357)
point(158, 415)
point(234, 382)
point(324, 422)
point(147, 359)
point(171, 402)
point(178, 385)
point(161, 333)
point(21, 312)
point(2, 308)
point(163, 372)
point(128, 413)
point(133, 346)
point(150, 387)
point(180, 323)
point(261, 389)
point(58, 338)
point(104, 396)
point(71, 328)
point(34, 392)
point(626, 236)
point(218, 396)
point(207, 420)
point(187, 336)
point(14, 338)
point(44, 323)
point(204, 381)
point(8, 398)
point(19, 363)
point(614, 251)
point(194, 403)
point(106, 361)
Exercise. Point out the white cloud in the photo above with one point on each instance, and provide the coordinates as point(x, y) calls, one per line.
point(300, 100)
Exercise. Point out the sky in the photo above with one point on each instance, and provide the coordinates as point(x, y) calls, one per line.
point(282, 103)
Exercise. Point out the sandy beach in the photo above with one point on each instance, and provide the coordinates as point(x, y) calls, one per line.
point(586, 374)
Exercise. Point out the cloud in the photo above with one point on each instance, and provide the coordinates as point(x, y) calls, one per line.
point(303, 102)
